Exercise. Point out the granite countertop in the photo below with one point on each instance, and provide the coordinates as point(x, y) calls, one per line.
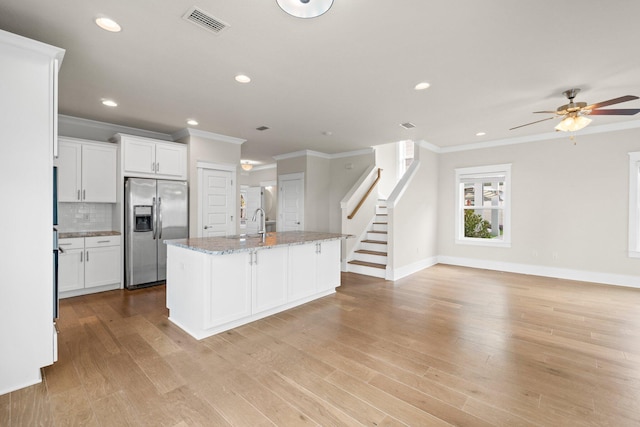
point(233, 244)
point(74, 234)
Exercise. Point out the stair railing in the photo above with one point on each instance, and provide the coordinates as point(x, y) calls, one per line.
point(375, 182)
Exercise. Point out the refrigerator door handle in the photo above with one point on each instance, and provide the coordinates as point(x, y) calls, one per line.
point(155, 219)
point(159, 218)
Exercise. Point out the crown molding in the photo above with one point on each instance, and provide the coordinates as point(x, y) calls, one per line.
point(111, 128)
point(207, 135)
point(301, 153)
point(352, 153)
point(590, 130)
point(312, 153)
point(264, 167)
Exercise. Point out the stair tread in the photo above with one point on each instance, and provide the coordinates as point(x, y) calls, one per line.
point(380, 223)
point(376, 231)
point(366, 252)
point(367, 264)
point(381, 242)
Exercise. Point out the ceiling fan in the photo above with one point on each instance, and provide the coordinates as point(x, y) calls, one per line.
point(574, 114)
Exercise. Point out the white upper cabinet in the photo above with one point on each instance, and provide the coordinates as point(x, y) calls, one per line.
point(86, 171)
point(148, 158)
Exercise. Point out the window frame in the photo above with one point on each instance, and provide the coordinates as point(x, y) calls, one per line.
point(634, 204)
point(483, 172)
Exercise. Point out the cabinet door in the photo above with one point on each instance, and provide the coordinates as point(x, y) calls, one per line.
point(171, 160)
point(302, 271)
point(69, 171)
point(139, 156)
point(71, 270)
point(101, 266)
point(328, 265)
point(99, 173)
point(228, 298)
point(269, 278)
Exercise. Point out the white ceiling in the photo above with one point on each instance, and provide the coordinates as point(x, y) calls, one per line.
point(350, 72)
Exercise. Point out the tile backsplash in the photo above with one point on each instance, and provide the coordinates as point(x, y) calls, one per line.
point(74, 217)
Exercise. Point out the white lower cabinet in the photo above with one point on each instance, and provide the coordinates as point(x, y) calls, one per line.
point(260, 283)
point(87, 264)
point(228, 302)
point(208, 294)
point(314, 268)
point(269, 278)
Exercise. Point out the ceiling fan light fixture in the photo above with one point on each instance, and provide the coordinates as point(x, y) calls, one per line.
point(305, 8)
point(573, 123)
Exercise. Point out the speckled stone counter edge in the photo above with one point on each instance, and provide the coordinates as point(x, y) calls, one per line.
point(234, 244)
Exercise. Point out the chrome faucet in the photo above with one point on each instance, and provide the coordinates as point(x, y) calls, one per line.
point(263, 228)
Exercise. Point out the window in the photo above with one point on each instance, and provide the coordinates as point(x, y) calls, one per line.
point(634, 205)
point(483, 205)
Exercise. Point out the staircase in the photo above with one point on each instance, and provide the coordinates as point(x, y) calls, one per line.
point(370, 257)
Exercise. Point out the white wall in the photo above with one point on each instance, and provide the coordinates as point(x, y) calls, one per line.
point(569, 207)
point(387, 159)
point(415, 219)
point(254, 177)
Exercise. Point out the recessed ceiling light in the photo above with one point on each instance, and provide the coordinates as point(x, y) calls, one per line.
point(108, 24)
point(481, 134)
point(241, 78)
point(327, 133)
point(192, 122)
point(422, 86)
point(109, 103)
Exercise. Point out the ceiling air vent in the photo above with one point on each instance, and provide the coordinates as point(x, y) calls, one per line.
point(407, 125)
point(261, 128)
point(205, 20)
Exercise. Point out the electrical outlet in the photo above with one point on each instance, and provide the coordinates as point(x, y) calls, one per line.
point(85, 217)
point(554, 255)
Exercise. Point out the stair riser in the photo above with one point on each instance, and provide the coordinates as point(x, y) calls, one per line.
point(381, 218)
point(380, 210)
point(368, 271)
point(380, 227)
point(377, 236)
point(376, 259)
point(373, 247)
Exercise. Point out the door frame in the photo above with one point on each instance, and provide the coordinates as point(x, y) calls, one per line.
point(225, 167)
point(289, 177)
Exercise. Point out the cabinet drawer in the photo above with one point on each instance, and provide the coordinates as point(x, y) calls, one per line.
point(73, 243)
point(98, 241)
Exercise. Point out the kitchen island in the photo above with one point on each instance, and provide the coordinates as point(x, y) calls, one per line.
point(218, 283)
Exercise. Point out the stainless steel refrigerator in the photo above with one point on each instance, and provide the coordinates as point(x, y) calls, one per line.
point(155, 210)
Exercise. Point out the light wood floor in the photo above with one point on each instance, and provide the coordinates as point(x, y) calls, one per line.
point(446, 346)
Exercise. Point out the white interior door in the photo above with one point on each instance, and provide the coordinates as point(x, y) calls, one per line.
point(217, 203)
point(291, 202)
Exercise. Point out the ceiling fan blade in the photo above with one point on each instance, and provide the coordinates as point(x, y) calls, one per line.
point(538, 121)
point(615, 112)
point(611, 102)
point(546, 112)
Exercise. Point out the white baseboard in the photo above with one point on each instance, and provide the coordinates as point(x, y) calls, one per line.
point(406, 270)
point(545, 271)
